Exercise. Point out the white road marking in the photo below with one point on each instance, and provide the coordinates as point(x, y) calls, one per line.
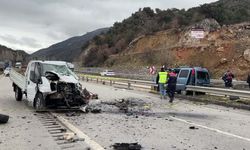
point(211, 129)
point(93, 145)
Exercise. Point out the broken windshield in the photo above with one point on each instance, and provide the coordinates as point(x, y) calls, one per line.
point(60, 69)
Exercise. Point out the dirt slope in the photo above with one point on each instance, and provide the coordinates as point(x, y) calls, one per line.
point(222, 48)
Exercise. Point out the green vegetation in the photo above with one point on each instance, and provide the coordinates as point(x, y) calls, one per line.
point(147, 21)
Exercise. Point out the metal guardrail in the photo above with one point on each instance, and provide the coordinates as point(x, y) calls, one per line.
point(128, 83)
point(149, 77)
point(220, 91)
point(236, 82)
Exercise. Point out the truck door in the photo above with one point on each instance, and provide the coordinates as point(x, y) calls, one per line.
point(182, 79)
point(32, 78)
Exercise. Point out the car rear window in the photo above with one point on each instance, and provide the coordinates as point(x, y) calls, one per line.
point(184, 74)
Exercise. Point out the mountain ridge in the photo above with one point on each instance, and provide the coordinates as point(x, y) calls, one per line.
point(68, 49)
point(8, 54)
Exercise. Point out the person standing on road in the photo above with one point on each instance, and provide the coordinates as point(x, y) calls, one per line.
point(161, 80)
point(228, 79)
point(171, 84)
point(193, 77)
point(248, 79)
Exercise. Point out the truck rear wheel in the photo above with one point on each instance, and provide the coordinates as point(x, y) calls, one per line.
point(18, 94)
point(39, 102)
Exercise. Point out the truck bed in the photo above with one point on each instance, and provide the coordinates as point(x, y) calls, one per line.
point(18, 79)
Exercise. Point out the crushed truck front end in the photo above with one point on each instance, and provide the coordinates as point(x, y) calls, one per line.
point(60, 87)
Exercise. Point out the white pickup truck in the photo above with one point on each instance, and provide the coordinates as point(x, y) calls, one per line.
point(49, 84)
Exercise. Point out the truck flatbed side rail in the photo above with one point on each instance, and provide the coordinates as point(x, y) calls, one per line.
point(18, 79)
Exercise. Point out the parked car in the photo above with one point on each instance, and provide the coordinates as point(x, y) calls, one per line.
point(18, 65)
point(192, 76)
point(7, 71)
point(108, 73)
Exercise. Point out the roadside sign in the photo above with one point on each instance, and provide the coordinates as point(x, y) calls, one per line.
point(197, 33)
point(152, 70)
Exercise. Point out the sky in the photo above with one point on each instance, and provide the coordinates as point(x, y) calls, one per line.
point(31, 25)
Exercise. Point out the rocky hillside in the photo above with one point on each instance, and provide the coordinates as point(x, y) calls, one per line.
point(227, 47)
point(66, 50)
point(7, 54)
point(156, 37)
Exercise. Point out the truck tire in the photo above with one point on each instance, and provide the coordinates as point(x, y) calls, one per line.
point(3, 118)
point(39, 102)
point(18, 94)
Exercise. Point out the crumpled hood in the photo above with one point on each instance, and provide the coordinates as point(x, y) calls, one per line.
point(67, 79)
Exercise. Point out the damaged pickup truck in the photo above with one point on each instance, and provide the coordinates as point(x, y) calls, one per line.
point(49, 84)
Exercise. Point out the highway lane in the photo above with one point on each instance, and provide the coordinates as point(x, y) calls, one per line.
point(165, 126)
point(24, 130)
point(155, 124)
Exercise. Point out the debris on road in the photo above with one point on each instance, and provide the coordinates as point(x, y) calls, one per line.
point(130, 106)
point(69, 136)
point(89, 95)
point(193, 128)
point(71, 114)
point(127, 146)
point(4, 118)
point(95, 111)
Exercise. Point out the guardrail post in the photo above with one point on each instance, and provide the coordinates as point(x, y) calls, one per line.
point(129, 85)
point(96, 80)
point(87, 79)
point(110, 82)
point(194, 93)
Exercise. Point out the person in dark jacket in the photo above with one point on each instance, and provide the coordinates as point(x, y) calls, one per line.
point(248, 79)
point(171, 84)
point(228, 78)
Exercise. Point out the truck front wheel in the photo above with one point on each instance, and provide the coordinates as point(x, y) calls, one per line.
point(18, 94)
point(39, 102)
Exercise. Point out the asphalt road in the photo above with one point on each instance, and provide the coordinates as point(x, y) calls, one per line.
point(24, 130)
point(148, 120)
point(156, 124)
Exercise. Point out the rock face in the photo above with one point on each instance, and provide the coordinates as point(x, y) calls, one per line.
point(223, 60)
point(208, 25)
point(247, 55)
point(218, 51)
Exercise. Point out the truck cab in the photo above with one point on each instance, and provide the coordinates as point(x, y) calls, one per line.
point(49, 84)
point(192, 76)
